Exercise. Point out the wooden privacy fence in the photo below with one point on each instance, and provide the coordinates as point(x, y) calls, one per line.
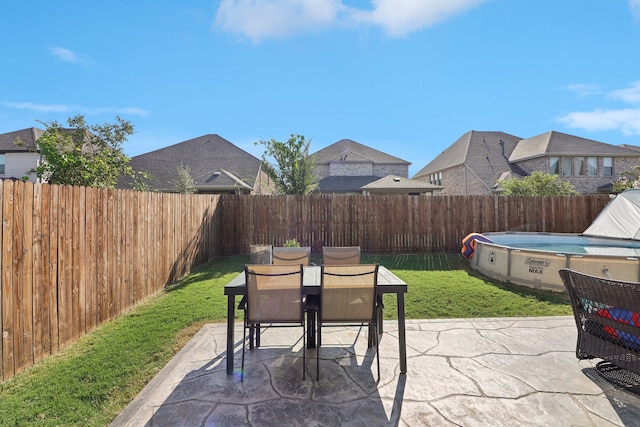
point(394, 224)
point(72, 258)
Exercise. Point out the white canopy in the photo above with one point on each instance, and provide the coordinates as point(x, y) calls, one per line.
point(619, 219)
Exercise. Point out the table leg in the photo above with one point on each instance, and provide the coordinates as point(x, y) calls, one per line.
point(402, 335)
point(311, 328)
point(231, 312)
point(380, 320)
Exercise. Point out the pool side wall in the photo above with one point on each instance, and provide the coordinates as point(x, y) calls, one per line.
point(540, 269)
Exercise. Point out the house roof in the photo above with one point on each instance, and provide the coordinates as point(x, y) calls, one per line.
point(214, 164)
point(630, 147)
point(27, 138)
point(393, 183)
point(561, 144)
point(350, 151)
point(485, 154)
point(343, 184)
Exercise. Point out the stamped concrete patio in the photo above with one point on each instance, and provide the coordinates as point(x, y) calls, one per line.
point(461, 372)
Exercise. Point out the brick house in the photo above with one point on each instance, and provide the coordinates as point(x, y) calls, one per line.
point(346, 167)
point(477, 162)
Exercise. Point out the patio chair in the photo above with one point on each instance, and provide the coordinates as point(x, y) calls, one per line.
point(607, 316)
point(260, 254)
point(296, 256)
point(348, 298)
point(340, 255)
point(274, 297)
point(292, 256)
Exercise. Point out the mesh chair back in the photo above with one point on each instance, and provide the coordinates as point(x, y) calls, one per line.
point(348, 293)
point(607, 317)
point(292, 256)
point(260, 254)
point(274, 293)
point(342, 255)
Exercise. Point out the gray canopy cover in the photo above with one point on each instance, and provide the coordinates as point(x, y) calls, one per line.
point(619, 219)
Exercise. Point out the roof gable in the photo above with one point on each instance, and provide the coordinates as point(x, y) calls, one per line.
point(26, 137)
point(213, 162)
point(485, 153)
point(350, 151)
point(561, 144)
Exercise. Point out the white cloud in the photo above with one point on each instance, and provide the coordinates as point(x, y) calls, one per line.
point(625, 120)
point(75, 109)
point(583, 89)
point(398, 18)
point(262, 19)
point(66, 55)
point(630, 95)
point(40, 108)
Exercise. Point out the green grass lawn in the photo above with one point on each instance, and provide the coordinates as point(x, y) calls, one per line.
point(91, 381)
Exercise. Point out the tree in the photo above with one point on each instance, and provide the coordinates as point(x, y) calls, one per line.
point(293, 170)
point(538, 184)
point(627, 180)
point(87, 155)
point(184, 182)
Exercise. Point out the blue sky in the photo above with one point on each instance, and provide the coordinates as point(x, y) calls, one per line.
point(407, 77)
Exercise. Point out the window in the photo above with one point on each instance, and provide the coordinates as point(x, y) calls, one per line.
point(581, 166)
point(567, 166)
point(607, 163)
point(592, 166)
point(554, 166)
point(2, 163)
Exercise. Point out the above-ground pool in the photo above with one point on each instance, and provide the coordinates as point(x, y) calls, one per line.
point(534, 259)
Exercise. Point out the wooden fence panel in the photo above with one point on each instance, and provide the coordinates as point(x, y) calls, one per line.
point(393, 223)
point(72, 258)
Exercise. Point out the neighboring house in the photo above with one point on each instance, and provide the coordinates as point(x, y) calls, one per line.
point(478, 161)
point(215, 164)
point(392, 184)
point(347, 166)
point(19, 154)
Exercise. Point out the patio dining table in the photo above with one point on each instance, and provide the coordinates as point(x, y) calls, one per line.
point(388, 283)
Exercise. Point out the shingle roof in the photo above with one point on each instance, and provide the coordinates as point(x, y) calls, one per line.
point(351, 151)
point(562, 144)
point(27, 137)
point(484, 153)
point(399, 184)
point(342, 184)
point(214, 163)
point(630, 147)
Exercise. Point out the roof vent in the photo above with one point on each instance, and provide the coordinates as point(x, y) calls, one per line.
point(396, 179)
